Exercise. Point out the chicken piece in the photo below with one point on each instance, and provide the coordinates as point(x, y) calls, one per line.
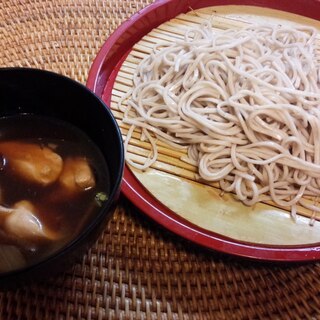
point(5, 210)
point(32, 162)
point(77, 175)
point(22, 222)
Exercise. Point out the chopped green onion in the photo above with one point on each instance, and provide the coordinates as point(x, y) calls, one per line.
point(101, 197)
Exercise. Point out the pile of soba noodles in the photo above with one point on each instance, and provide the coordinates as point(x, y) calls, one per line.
point(244, 102)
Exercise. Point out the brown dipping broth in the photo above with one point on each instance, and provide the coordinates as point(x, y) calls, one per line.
point(60, 213)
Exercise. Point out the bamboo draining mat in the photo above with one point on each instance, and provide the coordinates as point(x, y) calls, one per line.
point(136, 270)
point(169, 159)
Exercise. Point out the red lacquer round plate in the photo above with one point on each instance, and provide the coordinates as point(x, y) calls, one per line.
point(101, 80)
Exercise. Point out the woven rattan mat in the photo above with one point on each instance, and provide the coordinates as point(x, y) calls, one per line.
point(136, 270)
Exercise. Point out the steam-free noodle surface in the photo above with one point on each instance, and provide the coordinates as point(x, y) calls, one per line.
point(244, 103)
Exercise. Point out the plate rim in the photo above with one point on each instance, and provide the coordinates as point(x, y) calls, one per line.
point(133, 189)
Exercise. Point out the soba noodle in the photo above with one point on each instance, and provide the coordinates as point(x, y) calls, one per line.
point(246, 104)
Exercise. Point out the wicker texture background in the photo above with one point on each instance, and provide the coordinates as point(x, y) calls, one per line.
point(136, 270)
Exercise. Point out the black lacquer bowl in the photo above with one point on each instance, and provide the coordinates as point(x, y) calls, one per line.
point(33, 91)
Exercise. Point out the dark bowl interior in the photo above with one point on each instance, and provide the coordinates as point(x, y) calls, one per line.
point(44, 93)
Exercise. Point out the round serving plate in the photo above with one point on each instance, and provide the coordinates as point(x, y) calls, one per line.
point(137, 188)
